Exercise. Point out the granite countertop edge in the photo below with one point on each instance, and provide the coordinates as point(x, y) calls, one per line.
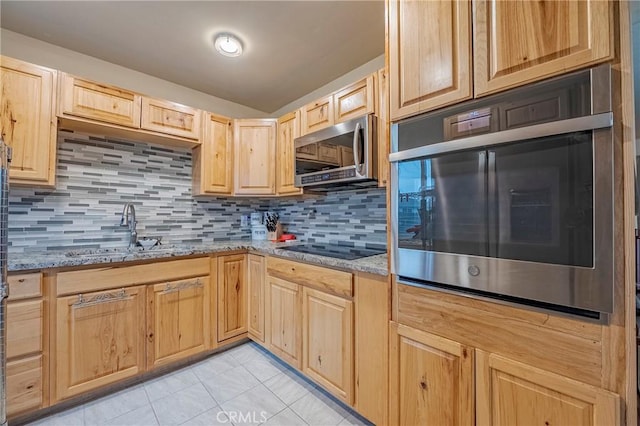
point(99, 257)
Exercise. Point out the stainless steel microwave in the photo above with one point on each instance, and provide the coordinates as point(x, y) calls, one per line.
point(511, 196)
point(342, 156)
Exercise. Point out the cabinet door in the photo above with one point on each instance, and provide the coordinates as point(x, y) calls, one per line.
point(213, 159)
point(355, 100)
point(288, 130)
point(256, 281)
point(255, 157)
point(177, 320)
point(513, 393)
point(327, 349)
point(96, 101)
point(99, 339)
point(284, 320)
point(317, 115)
point(28, 122)
point(24, 327)
point(171, 118)
point(430, 379)
point(429, 55)
point(24, 385)
point(517, 42)
point(232, 296)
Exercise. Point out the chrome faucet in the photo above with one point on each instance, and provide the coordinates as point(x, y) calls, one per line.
point(130, 221)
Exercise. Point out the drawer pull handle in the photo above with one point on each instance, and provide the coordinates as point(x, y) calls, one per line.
point(172, 288)
point(98, 299)
point(21, 280)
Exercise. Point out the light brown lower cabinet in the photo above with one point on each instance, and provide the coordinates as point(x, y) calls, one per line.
point(327, 333)
point(26, 344)
point(434, 380)
point(232, 296)
point(513, 393)
point(430, 379)
point(284, 320)
point(100, 339)
point(24, 385)
point(178, 320)
point(256, 283)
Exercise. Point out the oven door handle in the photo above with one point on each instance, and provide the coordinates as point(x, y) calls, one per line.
point(492, 205)
point(591, 122)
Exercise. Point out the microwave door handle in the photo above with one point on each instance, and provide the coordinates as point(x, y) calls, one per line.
point(356, 149)
point(493, 215)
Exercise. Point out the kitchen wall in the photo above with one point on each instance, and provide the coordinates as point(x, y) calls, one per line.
point(97, 176)
point(349, 217)
point(49, 55)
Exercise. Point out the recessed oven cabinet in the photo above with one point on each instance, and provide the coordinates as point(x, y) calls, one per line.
point(511, 196)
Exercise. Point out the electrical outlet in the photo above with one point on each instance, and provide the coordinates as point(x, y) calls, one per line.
point(244, 220)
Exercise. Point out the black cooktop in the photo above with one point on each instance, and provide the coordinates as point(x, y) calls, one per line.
point(335, 250)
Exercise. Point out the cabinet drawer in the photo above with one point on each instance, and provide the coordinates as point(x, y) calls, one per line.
point(24, 385)
point(171, 118)
point(328, 280)
point(355, 100)
point(317, 115)
point(25, 286)
point(96, 101)
point(24, 328)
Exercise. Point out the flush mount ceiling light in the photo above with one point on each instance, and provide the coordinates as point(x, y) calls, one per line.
point(228, 45)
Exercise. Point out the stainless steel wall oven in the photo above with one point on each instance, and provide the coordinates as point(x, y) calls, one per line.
point(511, 196)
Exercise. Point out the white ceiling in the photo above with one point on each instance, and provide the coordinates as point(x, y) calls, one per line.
point(290, 47)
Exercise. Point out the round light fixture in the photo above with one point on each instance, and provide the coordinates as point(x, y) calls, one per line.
point(228, 45)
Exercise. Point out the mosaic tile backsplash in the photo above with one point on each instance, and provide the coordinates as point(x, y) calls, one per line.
point(97, 176)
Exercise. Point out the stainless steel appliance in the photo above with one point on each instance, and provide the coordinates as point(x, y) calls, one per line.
point(511, 196)
point(335, 250)
point(342, 156)
point(5, 158)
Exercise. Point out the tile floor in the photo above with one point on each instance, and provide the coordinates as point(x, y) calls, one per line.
point(244, 385)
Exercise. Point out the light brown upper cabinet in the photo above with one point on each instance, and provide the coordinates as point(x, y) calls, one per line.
point(317, 115)
point(171, 118)
point(255, 156)
point(213, 158)
point(96, 101)
point(514, 43)
point(27, 121)
point(429, 55)
point(355, 100)
point(288, 130)
point(88, 106)
point(517, 42)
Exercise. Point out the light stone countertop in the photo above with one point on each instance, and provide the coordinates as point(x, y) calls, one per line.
point(65, 259)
